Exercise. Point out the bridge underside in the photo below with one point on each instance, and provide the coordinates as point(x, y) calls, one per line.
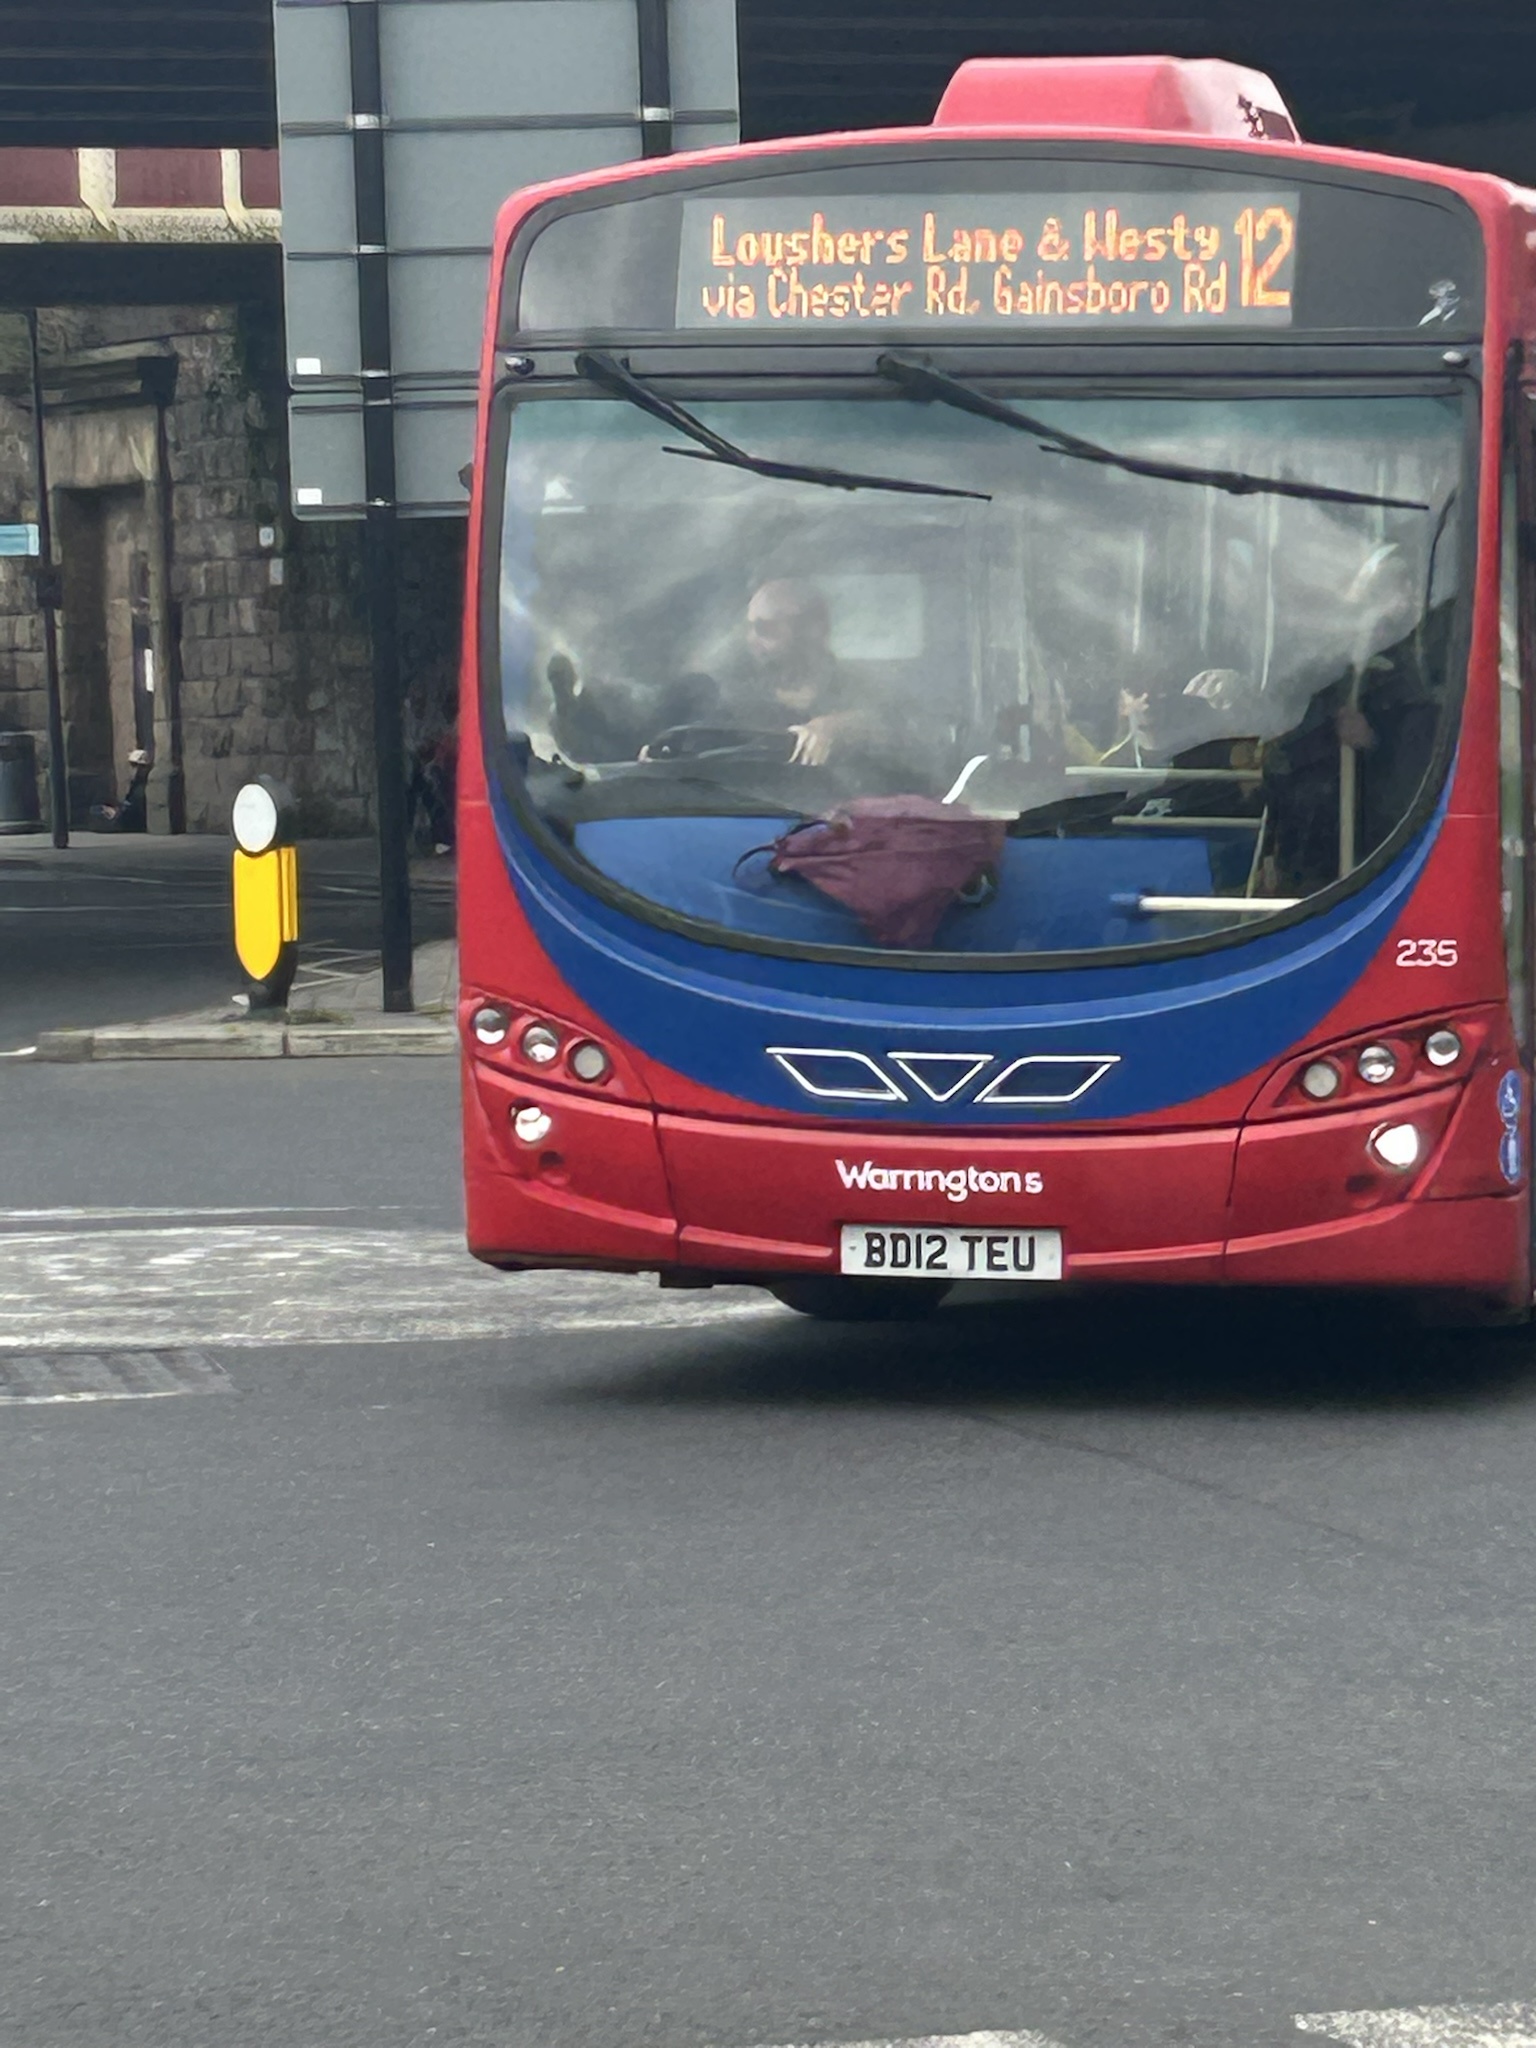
point(1401, 75)
point(1455, 84)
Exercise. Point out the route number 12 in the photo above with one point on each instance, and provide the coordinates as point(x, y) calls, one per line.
point(1258, 267)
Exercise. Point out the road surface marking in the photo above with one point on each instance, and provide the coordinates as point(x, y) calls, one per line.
point(182, 1287)
point(28, 1380)
point(200, 903)
point(191, 1215)
point(1024, 2040)
point(1428, 2026)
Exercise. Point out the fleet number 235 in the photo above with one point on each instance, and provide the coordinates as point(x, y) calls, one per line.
point(1426, 953)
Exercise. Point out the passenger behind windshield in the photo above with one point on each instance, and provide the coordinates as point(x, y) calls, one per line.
point(1338, 756)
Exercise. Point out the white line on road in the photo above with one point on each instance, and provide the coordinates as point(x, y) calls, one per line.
point(107, 909)
point(986, 2040)
point(175, 1287)
point(186, 1215)
point(1428, 2026)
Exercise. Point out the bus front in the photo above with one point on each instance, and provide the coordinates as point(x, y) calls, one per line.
point(982, 741)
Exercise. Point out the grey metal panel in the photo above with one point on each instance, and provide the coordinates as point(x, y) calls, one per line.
point(322, 316)
point(703, 52)
point(707, 134)
point(319, 204)
point(313, 65)
point(461, 57)
point(434, 439)
point(445, 190)
point(481, 97)
point(325, 448)
point(437, 312)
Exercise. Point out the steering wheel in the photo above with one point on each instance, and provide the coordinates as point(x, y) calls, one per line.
point(714, 742)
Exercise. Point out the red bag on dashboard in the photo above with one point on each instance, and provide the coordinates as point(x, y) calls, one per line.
point(897, 862)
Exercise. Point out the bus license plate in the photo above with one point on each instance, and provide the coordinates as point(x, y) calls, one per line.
point(878, 1252)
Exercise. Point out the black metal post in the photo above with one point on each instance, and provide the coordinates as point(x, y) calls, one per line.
point(380, 535)
point(48, 600)
point(656, 115)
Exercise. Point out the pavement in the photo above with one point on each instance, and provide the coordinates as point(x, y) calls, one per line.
point(119, 948)
point(334, 1010)
point(401, 1654)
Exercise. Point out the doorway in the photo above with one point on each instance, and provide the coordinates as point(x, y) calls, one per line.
point(107, 666)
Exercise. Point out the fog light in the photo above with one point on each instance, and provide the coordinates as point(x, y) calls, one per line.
point(588, 1061)
point(490, 1025)
point(1377, 1064)
point(540, 1044)
point(532, 1125)
point(1442, 1048)
point(1321, 1080)
point(1397, 1146)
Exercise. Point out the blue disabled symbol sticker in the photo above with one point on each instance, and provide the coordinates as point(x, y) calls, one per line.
point(1509, 1156)
point(1511, 1093)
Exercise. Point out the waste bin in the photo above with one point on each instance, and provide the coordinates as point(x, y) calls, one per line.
point(19, 807)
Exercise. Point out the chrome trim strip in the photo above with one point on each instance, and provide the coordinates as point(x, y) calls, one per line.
point(974, 1064)
point(998, 1091)
point(786, 1055)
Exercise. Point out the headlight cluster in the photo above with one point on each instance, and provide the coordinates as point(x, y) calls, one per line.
point(540, 1044)
point(1396, 1059)
point(1397, 1064)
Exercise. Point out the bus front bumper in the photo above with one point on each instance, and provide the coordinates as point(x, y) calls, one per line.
point(1304, 1203)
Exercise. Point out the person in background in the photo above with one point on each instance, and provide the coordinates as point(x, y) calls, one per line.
point(431, 765)
point(132, 813)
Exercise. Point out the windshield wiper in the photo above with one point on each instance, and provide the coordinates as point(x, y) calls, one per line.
point(917, 380)
point(602, 369)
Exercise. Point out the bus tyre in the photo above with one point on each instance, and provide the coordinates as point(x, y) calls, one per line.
point(832, 1298)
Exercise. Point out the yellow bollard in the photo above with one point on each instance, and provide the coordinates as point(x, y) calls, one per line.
point(266, 891)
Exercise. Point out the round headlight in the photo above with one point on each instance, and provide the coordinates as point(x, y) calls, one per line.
point(1321, 1080)
point(490, 1024)
point(540, 1044)
point(1376, 1064)
point(531, 1124)
point(1442, 1048)
point(588, 1061)
point(1396, 1145)
point(254, 818)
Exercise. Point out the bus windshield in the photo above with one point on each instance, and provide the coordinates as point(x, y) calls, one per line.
point(1179, 693)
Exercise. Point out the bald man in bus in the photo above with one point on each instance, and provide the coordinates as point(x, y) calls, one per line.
point(796, 680)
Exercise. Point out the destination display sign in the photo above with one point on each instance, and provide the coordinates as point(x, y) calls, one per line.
point(1099, 259)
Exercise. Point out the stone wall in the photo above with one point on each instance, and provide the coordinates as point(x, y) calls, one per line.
point(266, 613)
point(23, 699)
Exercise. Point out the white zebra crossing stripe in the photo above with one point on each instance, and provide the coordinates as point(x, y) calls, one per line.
point(183, 1287)
point(1511, 2025)
point(36, 1381)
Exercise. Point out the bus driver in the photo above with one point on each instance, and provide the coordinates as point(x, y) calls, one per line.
point(795, 679)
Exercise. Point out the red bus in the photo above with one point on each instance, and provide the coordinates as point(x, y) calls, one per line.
point(996, 734)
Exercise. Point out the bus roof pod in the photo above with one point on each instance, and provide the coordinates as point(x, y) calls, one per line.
point(1204, 96)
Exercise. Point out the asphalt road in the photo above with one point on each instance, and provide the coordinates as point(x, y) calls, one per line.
point(113, 930)
point(548, 1662)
